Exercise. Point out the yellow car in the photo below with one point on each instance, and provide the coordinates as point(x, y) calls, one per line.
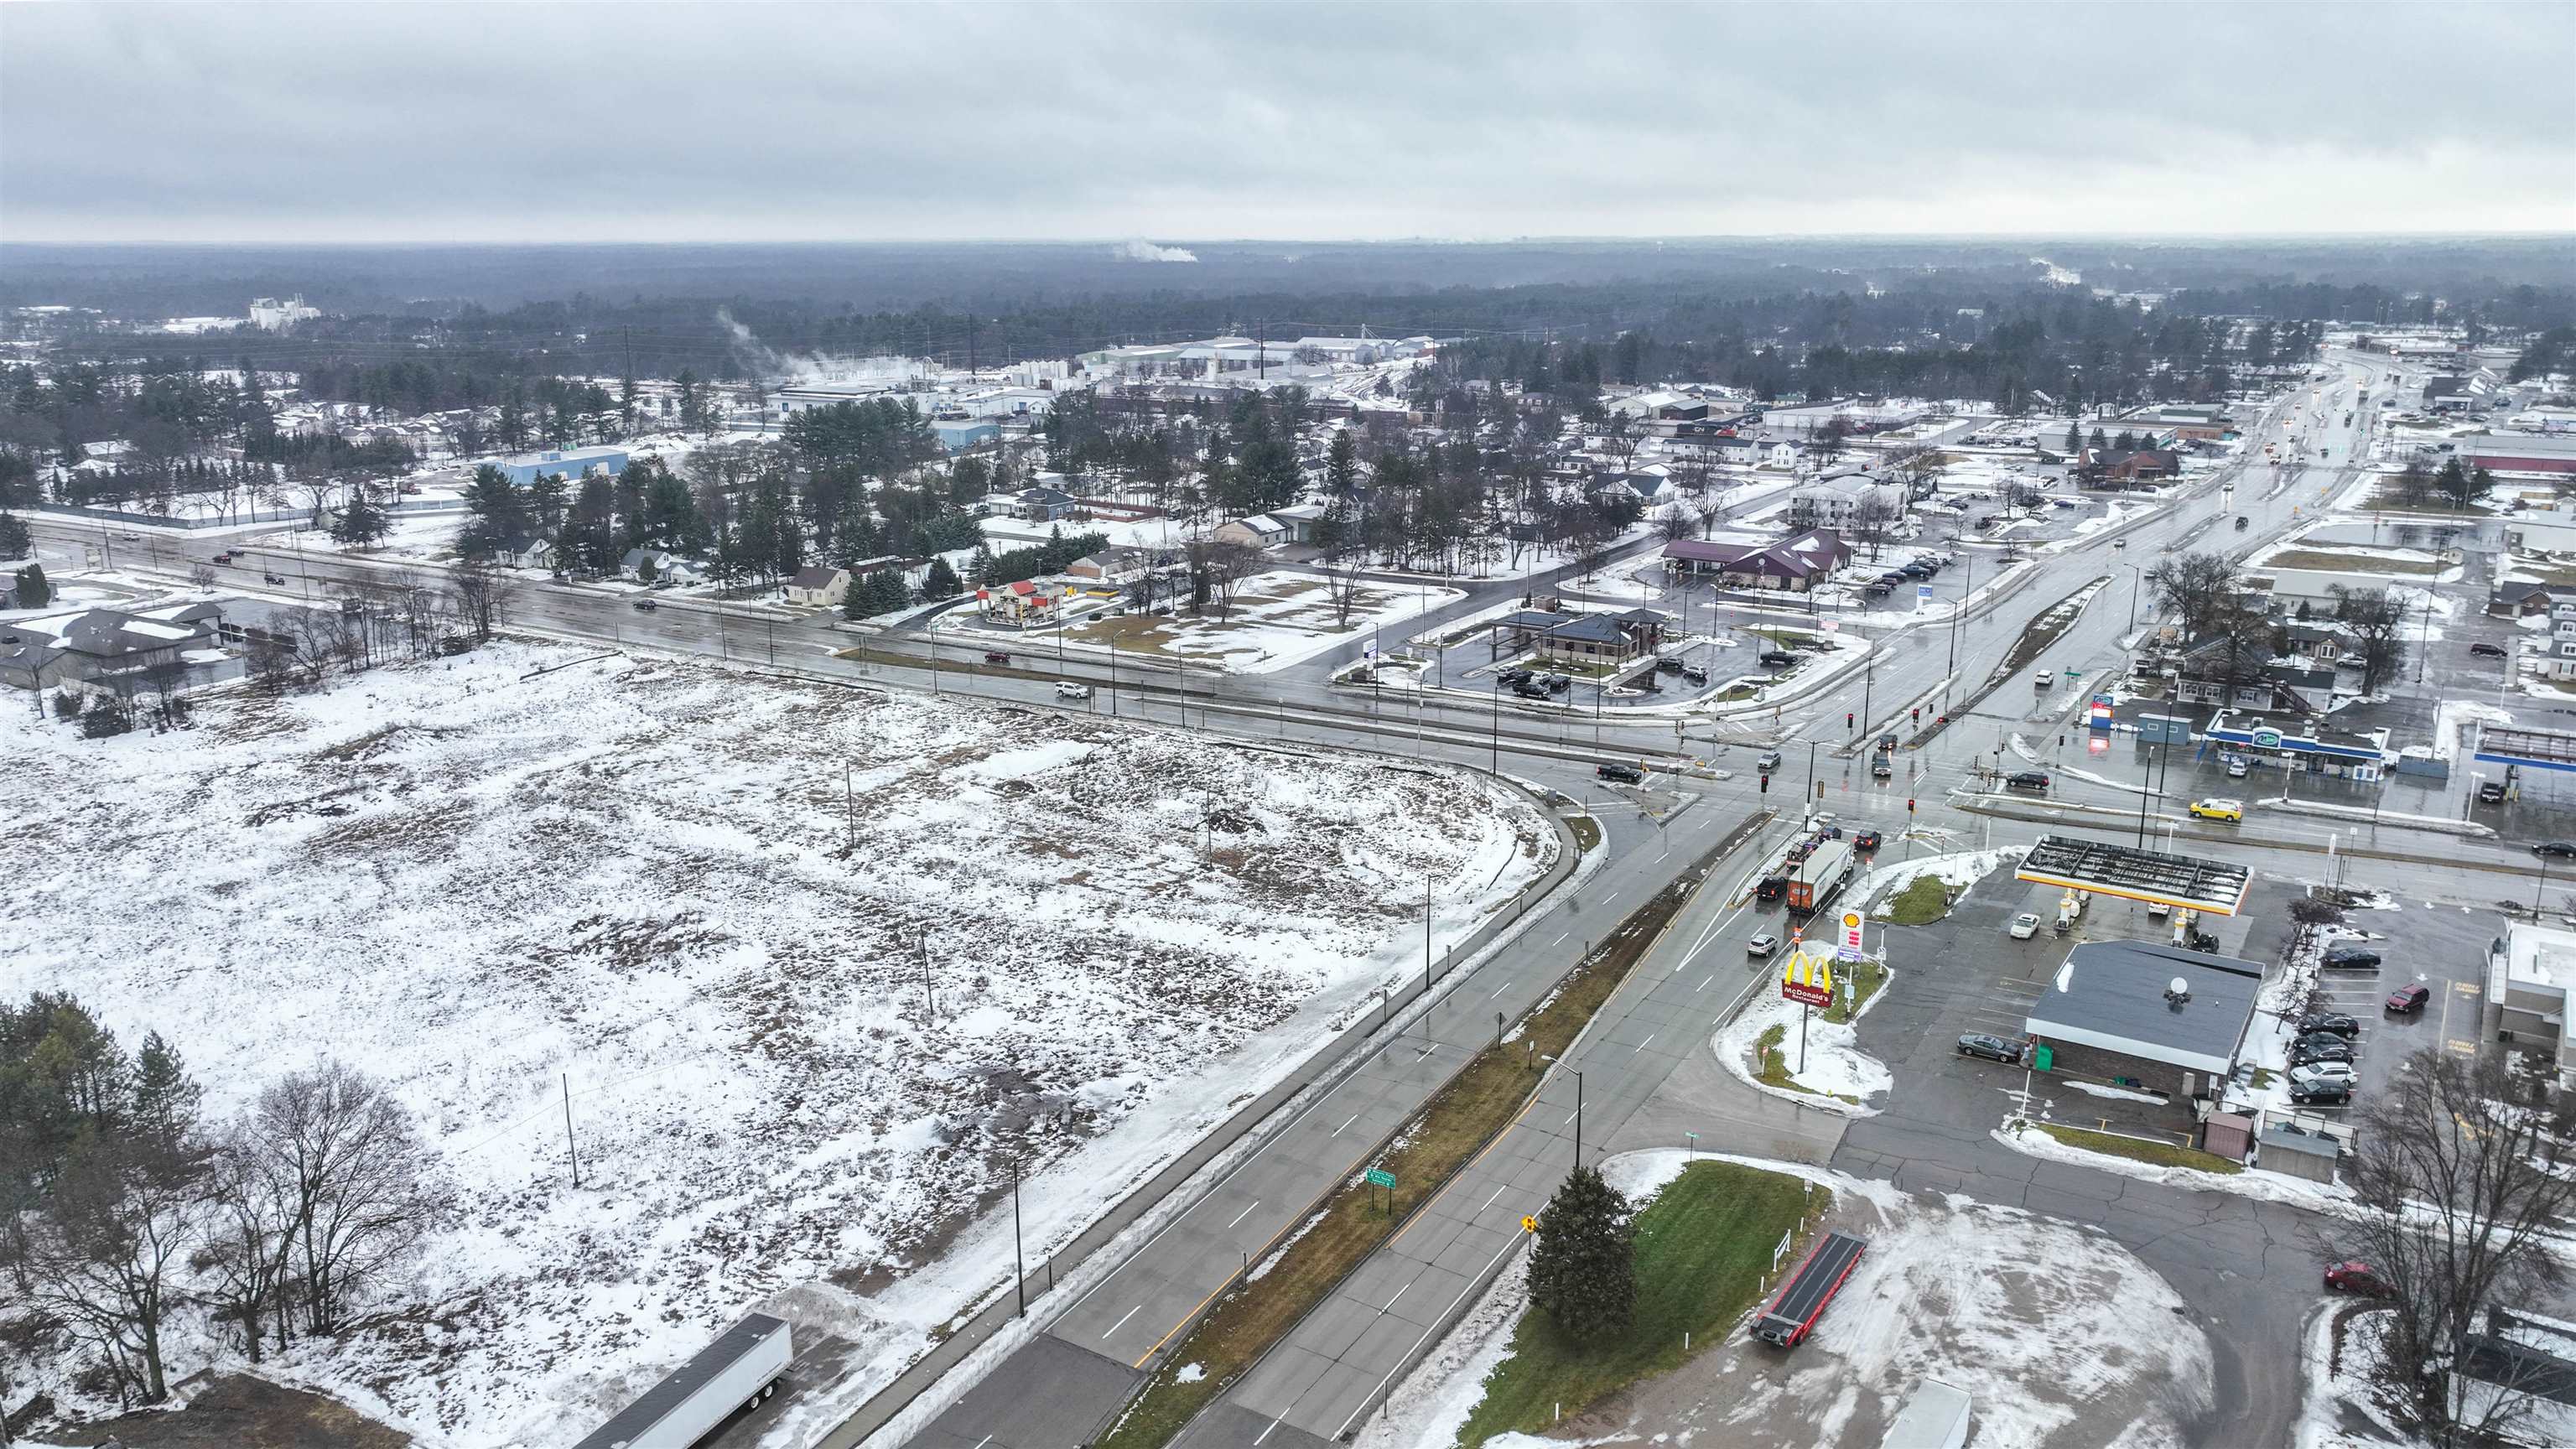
point(2218, 810)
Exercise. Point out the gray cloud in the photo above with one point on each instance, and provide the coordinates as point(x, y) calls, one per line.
point(1121, 121)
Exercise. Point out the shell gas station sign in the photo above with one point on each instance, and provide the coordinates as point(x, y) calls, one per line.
point(1848, 949)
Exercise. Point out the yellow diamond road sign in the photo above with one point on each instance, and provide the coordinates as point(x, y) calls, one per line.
point(1529, 1225)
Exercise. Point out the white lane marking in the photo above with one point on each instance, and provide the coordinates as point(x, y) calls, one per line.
point(1641, 1046)
point(1122, 1321)
point(1336, 1132)
point(1239, 1217)
point(1390, 1303)
point(1264, 1434)
point(1497, 991)
point(1703, 985)
point(1489, 1202)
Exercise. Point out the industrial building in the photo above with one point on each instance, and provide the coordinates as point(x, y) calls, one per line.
point(569, 463)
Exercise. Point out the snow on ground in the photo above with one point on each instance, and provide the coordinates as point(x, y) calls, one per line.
point(1957, 871)
point(2270, 1186)
point(1834, 1066)
point(1277, 619)
point(2058, 1333)
point(632, 872)
point(2457, 712)
point(2339, 1391)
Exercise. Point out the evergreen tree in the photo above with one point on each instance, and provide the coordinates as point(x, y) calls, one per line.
point(980, 567)
point(14, 540)
point(941, 582)
point(34, 592)
point(1342, 464)
point(589, 537)
point(669, 517)
point(165, 1097)
point(2099, 442)
point(2074, 440)
point(547, 498)
point(362, 523)
point(1582, 1269)
point(499, 511)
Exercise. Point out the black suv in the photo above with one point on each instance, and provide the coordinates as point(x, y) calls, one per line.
point(2027, 780)
point(2334, 1023)
point(2349, 958)
point(1778, 658)
point(1515, 676)
point(2487, 651)
point(1623, 774)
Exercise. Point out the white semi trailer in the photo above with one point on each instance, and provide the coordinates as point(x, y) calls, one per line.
point(736, 1371)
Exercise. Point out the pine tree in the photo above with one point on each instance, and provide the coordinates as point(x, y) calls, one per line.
point(362, 523)
point(941, 582)
point(1342, 464)
point(33, 590)
point(980, 567)
point(1582, 1269)
point(14, 540)
point(165, 1096)
point(2099, 442)
point(2074, 440)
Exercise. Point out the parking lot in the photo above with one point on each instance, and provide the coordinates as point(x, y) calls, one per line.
point(2443, 949)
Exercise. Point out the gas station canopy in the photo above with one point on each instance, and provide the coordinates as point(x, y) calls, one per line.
point(2208, 886)
point(2531, 749)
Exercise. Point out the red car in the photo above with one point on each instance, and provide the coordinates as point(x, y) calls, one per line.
point(2409, 998)
point(2355, 1278)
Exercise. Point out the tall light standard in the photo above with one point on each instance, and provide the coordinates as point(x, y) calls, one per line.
point(2137, 584)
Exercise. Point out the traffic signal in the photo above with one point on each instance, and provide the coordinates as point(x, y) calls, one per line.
point(1766, 784)
point(1847, 719)
point(1820, 789)
point(1918, 714)
point(1909, 804)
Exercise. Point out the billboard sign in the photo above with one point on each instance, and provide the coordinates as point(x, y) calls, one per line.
point(1849, 948)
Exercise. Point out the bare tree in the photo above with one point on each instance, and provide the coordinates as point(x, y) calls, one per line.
point(115, 1229)
point(1917, 466)
point(481, 597)
point(2463, 1187)
point(1342, 586)
point(249, 1231)
point(1677, 521)
point(1874, 517)
point(2377, 620)
point(359, 1183)
point(1229, 563)
point(2195, 588)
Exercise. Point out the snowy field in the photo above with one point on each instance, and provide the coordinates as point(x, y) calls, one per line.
point(633, 875)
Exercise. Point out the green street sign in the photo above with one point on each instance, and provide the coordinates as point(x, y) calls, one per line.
point(1376, 1178)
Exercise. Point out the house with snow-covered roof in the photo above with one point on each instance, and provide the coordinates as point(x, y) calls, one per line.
point(57, 649)
point(1796, 563)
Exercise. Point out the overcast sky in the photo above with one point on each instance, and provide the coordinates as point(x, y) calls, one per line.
point(1211, 121)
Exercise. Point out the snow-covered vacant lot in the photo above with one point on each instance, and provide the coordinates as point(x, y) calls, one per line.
point(632, 875)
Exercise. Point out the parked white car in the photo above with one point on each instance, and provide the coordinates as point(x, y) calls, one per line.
point(1067, 689)
point(2025, 925)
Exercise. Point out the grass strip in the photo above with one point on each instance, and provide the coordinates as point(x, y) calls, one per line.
point(1921, 903)
point(1860, 981)
point(1480, 1101)
point(1703, 1247)
point(2162, 1154)
point(1772, 1065)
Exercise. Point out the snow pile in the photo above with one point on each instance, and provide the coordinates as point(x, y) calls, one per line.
point(1958, 871)
point(1834, 1066)
point(474, 885)
point(2455, 713)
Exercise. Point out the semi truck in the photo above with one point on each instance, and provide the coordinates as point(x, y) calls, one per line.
point(1820, 877)
point(735, 1372)
point(1792, 1315)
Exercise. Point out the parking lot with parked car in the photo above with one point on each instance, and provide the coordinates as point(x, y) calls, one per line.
point(2416, 980)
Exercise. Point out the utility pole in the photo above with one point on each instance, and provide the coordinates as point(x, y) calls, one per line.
point(1019, 1270)
point(921, 945)
point(569, 1148)
point(849, 808)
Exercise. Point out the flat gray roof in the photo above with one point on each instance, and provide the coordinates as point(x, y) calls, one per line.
point(2111, 994)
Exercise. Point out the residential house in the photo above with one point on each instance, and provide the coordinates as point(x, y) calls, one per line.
point(1301, 520)
point(2325, 640)
point(819, 586)
point(2524, 600)
point(1043, 505)
point(1259, 530)
point(1796, 563)
point(524, 551)
point(2201, 676)
point(55, 649)
point(665, 566)
point(1115, 567)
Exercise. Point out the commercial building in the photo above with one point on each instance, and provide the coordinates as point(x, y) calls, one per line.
point(571, 464)
point(2520, 452)
point(56, 649)
point(2149, 1016)
point(2529, 969)
point(271, 315)
point(1796, 563)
